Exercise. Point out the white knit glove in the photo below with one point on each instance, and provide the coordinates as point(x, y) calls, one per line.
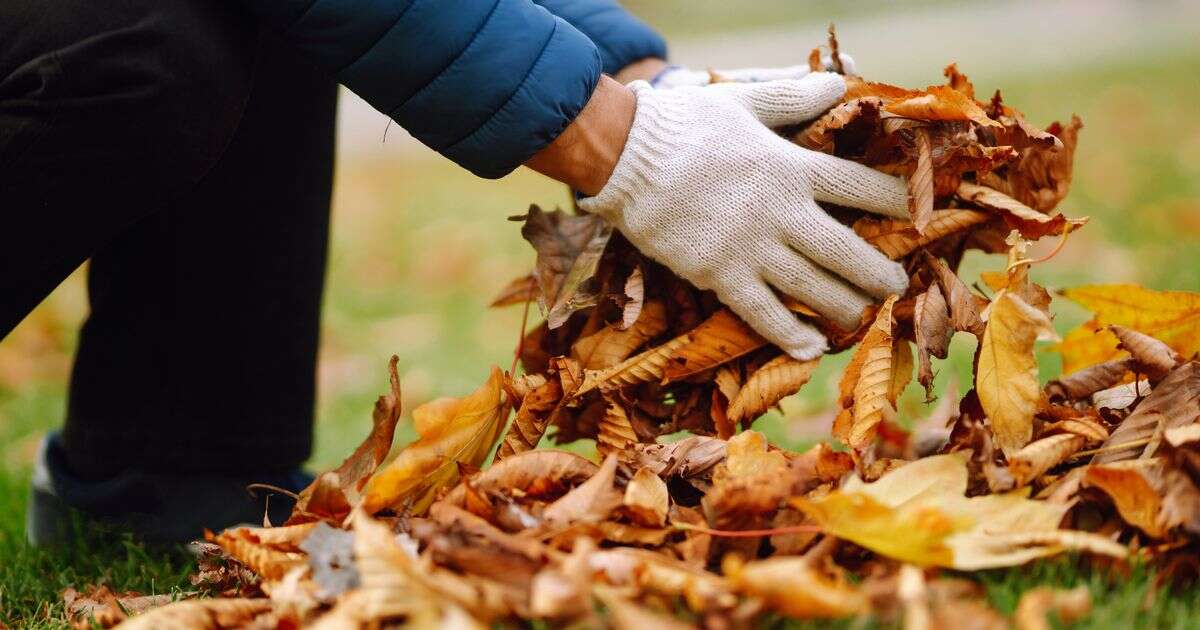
point(705, 188)
point(680, 76)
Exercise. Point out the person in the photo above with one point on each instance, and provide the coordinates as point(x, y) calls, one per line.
point(186, 148)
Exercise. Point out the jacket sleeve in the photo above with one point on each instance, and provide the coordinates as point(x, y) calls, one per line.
point(487, 83)
point(621, 37)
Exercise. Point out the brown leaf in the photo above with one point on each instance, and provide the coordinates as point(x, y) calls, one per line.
point(791, 586)
point(616, 432)
point(267, 562)
point(819, 135)
point(1006, 376)
point(519, 291)
point(591, 501)
point(1174, 403)
point(568, 250)
point(931, 327)
point(964, 306)
point(775, 380)
point(1082, 384)
point(920, 183)
point(1031, 223)
point(694, 456)
point(646, 499)
point(1068, 606)
point(897, 238)
point(940, 102)
point(332, 495)
point(100, 606)
point(1149, 494)
point(201, 614)
point(1151, 356)
point(722, 337)
point(615, 342)
point(1037, 457)
point(533, 416)
point(1040, 177)
point(866, 384)
point(634, 296)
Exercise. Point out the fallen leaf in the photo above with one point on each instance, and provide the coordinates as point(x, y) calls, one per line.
point(1174, 402)
point(646, 498)
point(920, 182)
point(931, 327)
point(614, 343)
point(531, 420)
point(201, 614)
point(775, 380)
point(1083, 383)
point(1068, 607)
point(451, 431)
point(1007, 377)
point(897, 238)
point(1149, 494)
point(791, 586)
point(1150, 356)
point(926, 500)
point(1172, 317)
point(634, 294)
point(332, 494)
point(519, 291)
point(866, 385)
point(568, 250)
point(591, 501)
point(1032, 224)
point(615, 432)
point(1037, 457)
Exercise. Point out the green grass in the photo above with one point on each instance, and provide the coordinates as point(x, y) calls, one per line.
point(420, 247)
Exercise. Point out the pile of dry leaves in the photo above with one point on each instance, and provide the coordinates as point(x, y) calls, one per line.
point(720, 528)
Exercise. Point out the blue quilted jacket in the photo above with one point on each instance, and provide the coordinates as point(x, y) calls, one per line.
point(487, 83)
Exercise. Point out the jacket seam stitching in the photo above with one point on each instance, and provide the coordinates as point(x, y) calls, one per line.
point(378, 39)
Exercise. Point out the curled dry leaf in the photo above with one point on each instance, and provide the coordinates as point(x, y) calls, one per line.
point(568, 251)
point(519, 291)
point(1037, 457)
point(693, 456)
point(591, 501)
point(1149, 494)
point(1031, 223)
point(931, 327)
point(775, 380)
point(531, 420)
point(1082, 384)
point(332, 494)
point(646, 498)
point(866, 385)
point(1006, 377)
point(1150, 356)
point(920, 182)
point(451, 431)
point(634, 297)
point(616, 431)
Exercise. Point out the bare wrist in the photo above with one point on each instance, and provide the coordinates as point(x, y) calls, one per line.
point(643, 69)
point(586, 152)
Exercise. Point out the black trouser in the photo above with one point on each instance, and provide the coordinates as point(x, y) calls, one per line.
point(190, 157)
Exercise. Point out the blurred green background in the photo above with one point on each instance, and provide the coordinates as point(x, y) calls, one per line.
point(420, 247)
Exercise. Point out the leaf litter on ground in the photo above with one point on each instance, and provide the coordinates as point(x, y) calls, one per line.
point(722, 528)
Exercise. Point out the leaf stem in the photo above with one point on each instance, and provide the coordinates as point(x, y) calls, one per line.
point(748, 533)
point(1115, 447)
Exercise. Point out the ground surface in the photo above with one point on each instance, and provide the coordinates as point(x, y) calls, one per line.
point(419, 248)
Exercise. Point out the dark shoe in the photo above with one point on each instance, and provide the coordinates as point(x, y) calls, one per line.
point(156, 507)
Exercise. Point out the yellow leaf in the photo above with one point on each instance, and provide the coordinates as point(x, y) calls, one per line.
point(452, 431)
point(1007, 378)
point(942, 527)
point(1128, 484)
point(1089, 344)
point(1172, 317)
point(747, 455)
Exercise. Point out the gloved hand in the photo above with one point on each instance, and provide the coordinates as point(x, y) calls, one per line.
point(705, 188)
point(680, 76)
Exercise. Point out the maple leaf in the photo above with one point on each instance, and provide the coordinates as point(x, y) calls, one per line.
point(926, 500)
point(1006, 377)
point(451, 432)
point(1172, 317)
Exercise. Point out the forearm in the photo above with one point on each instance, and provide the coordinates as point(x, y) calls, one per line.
point(585, 153)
